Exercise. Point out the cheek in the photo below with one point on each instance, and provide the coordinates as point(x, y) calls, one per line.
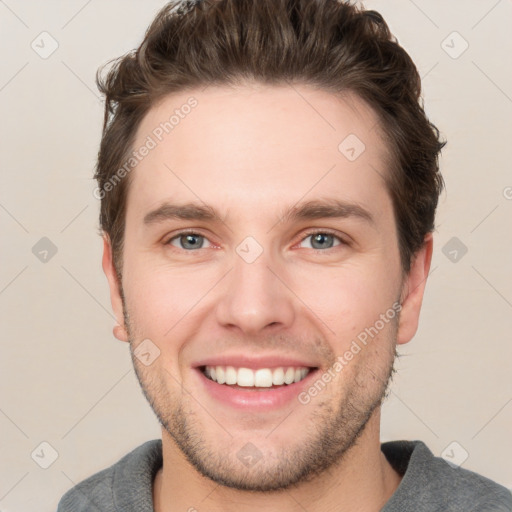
point(346, 299)
point(159, 298)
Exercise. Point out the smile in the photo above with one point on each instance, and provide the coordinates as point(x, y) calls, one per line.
point(255, 378)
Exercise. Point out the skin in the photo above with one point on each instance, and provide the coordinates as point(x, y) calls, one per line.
point(250, 152)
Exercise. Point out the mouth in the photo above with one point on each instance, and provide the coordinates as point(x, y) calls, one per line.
point(257, 389)
point(256, 379)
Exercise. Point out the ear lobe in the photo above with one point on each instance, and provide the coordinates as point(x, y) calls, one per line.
point(412, 291)
point(119, 330)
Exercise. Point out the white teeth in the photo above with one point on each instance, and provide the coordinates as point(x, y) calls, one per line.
point(231, 375)
point(289, 376)
point(221, 374)
point(278, 377)
point(261, 378)
point(245, 377)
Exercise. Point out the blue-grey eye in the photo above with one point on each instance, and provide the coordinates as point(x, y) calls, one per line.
point(188, 241)
point(322, 240)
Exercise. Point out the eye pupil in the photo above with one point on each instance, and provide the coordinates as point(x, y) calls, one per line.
point(192, 240)
point(321, 239)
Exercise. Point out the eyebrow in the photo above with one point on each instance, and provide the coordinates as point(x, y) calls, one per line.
point(188, 211)
point(309, 210)
point(327, 208)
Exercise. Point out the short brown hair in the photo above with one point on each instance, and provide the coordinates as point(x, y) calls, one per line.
point(326, 44)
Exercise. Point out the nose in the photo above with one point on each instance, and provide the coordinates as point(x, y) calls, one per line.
point(255, 298)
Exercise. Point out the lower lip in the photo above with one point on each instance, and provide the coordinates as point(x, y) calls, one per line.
point(255, 399)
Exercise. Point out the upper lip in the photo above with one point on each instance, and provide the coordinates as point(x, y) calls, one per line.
point(254, 362)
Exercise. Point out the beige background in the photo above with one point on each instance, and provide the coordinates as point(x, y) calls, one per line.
point(66, 381)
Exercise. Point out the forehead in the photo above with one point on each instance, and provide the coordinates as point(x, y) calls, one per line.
point(258, 147)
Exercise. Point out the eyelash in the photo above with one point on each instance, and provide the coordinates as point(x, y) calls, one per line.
point(306, 235)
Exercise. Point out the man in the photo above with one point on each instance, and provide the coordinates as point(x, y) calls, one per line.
point(268, 183)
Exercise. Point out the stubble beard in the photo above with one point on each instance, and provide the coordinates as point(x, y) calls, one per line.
point(336, 428)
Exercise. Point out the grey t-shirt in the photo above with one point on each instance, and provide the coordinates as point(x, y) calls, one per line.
point(429, 484)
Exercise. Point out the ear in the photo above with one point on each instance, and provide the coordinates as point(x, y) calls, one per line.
point(412, 291)
point(119, 330)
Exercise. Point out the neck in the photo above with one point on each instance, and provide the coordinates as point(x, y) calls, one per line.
point(362, 480)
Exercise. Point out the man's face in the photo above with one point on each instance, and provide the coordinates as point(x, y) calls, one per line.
point(255, 288)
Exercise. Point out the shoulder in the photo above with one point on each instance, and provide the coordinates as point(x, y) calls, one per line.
point(106, 489)
point(433, 484)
